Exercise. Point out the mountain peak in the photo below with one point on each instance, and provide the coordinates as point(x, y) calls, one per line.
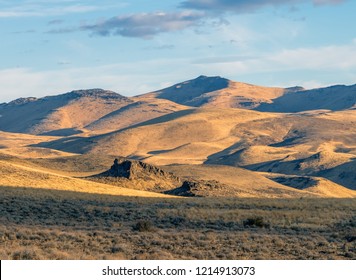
point(188, 90)
point(209, 78)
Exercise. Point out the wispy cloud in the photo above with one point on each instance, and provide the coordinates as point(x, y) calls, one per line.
point(42, 10)
point(161, 47)
point(245, 6)
point(145, 25)
point(62, 30)
point(55, 22)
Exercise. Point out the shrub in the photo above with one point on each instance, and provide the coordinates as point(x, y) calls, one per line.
point(143, 226)
point(25, 254)
point(255, 222)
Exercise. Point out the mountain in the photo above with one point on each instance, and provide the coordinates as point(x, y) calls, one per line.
point(62, 115)
point(334, 98)
point(99, 111)
point(220, 92)
point(278, 142)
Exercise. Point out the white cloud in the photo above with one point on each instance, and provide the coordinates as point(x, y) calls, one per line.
point(125, 78)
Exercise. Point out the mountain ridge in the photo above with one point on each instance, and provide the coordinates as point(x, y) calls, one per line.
point(104, 110)
point(233, 134)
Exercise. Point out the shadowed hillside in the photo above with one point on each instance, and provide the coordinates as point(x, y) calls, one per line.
point(331, 98)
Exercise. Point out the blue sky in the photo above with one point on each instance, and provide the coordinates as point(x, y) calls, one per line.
point(132, 47)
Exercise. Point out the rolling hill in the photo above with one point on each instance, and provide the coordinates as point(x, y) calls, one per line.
point(60, 115)
point(225, 138)
point(295, 144)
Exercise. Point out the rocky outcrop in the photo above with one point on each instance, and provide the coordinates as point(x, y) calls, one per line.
point(138, 175)
point(198, 188)
point(143, 176)
point(132, 170)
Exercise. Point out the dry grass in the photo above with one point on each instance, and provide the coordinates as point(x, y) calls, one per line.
point(48, 224)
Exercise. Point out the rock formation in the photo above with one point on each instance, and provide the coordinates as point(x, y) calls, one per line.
point(132, 170)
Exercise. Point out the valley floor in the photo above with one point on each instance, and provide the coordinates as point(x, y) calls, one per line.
point(55, 224)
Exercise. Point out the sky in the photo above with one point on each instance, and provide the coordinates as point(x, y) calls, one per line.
point(50, 47)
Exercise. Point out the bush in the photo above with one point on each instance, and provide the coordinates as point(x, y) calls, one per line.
point(25, 254)
point(255, 222)
point(143, 226)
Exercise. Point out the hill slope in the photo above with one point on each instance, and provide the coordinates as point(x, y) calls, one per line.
point(139, 111)
point(61, 114)
point(185, 136)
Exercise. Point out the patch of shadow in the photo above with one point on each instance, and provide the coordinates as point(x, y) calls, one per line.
point(343, 150)
point(299, 183)
point(72, 144)
point(62, 132)
point(157, 152)
point(343, 174)
point(286, 142)
point(248, 104)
